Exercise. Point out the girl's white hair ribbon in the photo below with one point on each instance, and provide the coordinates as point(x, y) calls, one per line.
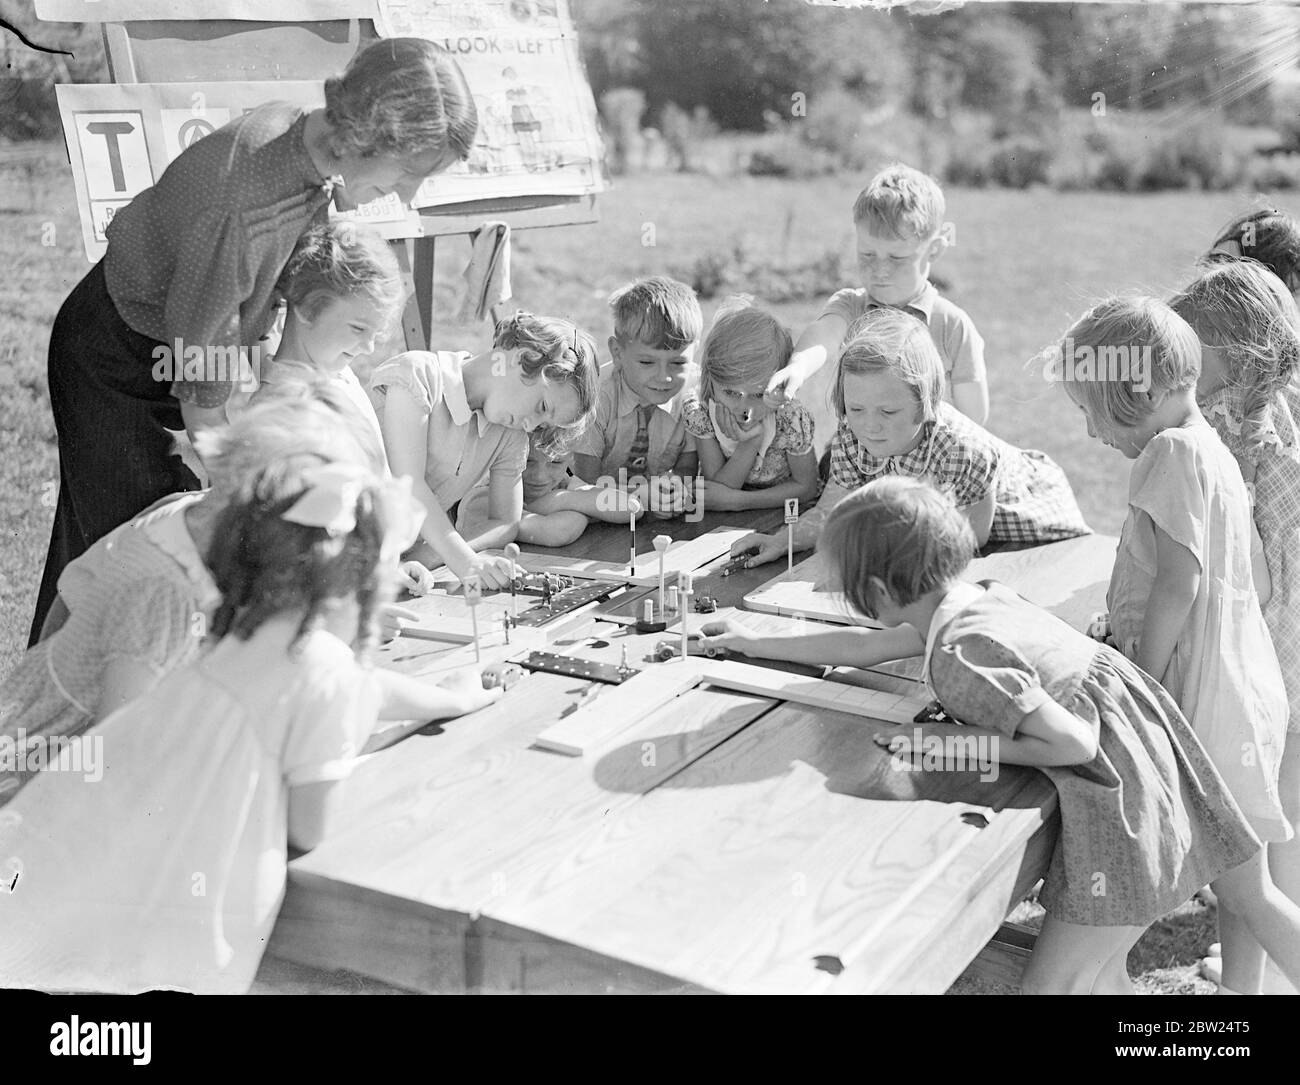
point(330, 500)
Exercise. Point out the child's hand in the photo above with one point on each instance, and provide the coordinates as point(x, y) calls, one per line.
point(494, 573)
point(766, 548)
point(668, 497)
point(905, 755)
point(783, 386)
point(412, 576)
point(726, 633)
point(393, 619)
point(711, 496)
point(1099, 629)
point(466, 686)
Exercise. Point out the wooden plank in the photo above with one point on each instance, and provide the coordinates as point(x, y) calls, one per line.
point(1005, 957)
point(404, 836)
point(682, 556)
point(815, 692)
point(414, 947)
point(614, 711)
point(785, 845)
point(1068, 578)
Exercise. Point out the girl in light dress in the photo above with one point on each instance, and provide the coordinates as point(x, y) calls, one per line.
point(137, 604)
point(1249, 328)
point(1145, 817)
point(1182, 600)
point(752, 456)
point(169, 870)
point(342, 289)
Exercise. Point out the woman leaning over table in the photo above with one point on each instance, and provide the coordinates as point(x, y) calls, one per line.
point(193, 261)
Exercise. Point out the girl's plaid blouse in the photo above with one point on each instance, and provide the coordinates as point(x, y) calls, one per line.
point(1033, 499)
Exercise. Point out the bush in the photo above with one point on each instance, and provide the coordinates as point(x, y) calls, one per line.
point(787, 155)
point(717, 273)
point(1019, 163)
point(1274, 174)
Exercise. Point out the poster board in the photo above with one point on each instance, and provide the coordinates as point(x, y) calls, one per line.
point(538, 159)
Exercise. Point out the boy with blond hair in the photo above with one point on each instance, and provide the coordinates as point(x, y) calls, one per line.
point(901, 231)
point(637, 438)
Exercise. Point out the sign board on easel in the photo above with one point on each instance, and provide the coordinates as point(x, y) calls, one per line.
point(537, 160)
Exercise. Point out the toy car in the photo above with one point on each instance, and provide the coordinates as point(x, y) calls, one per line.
point(504, 675)
point(706, 604)
point(670, 648)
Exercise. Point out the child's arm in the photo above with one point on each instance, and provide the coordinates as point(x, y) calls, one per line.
point(406, 698)
point(801, 485)
point(732, 471)
point(688, 463)
point(597, 502)
point(124, 680)
point(1177, 580)
point(1258, 568)
point(505, 507)
point(980, 516)
point(852, 647)
point(807, 530)
point(406, 434)
point(1047, 736)
point(972, 399)
point(820, 340)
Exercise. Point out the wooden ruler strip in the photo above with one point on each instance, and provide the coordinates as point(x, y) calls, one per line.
point(815, 692)
point(618, 708)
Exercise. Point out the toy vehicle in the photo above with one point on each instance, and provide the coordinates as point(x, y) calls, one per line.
point(670, 648)
point(706, 604)
point(504, 675)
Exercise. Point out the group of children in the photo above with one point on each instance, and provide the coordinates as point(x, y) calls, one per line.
point(246, 612)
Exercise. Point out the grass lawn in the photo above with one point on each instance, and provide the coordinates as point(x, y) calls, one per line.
point(1025, 264)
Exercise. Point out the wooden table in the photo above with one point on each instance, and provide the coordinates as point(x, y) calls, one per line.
point(726, 843)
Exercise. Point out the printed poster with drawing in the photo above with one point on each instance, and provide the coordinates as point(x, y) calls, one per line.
point(537, 134)
point(121, 137)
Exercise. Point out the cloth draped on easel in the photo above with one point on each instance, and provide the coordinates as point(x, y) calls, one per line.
point(487, 277)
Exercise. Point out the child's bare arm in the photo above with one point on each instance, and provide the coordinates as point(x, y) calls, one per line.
point(820, 341)
point(852, 647)
point(1047, 736)
point(711, 457)
point(980, 516)
point(124, 680)
point(1173, 591)
point(1258, 568)
point(310, 810)
point(972, 399)
point(736, 467)
point(802, 486)
point(405, 698)
point(807, 530)
point(505, 507)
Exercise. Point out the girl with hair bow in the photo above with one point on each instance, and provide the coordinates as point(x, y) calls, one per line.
point(172, 877)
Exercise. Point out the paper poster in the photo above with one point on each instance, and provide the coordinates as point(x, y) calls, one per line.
point(281, 11)
point(537, 134)
point(122, 136)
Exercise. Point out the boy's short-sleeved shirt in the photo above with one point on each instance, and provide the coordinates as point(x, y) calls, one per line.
point(463, 446)
point(609, 435)
point(960, 345)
